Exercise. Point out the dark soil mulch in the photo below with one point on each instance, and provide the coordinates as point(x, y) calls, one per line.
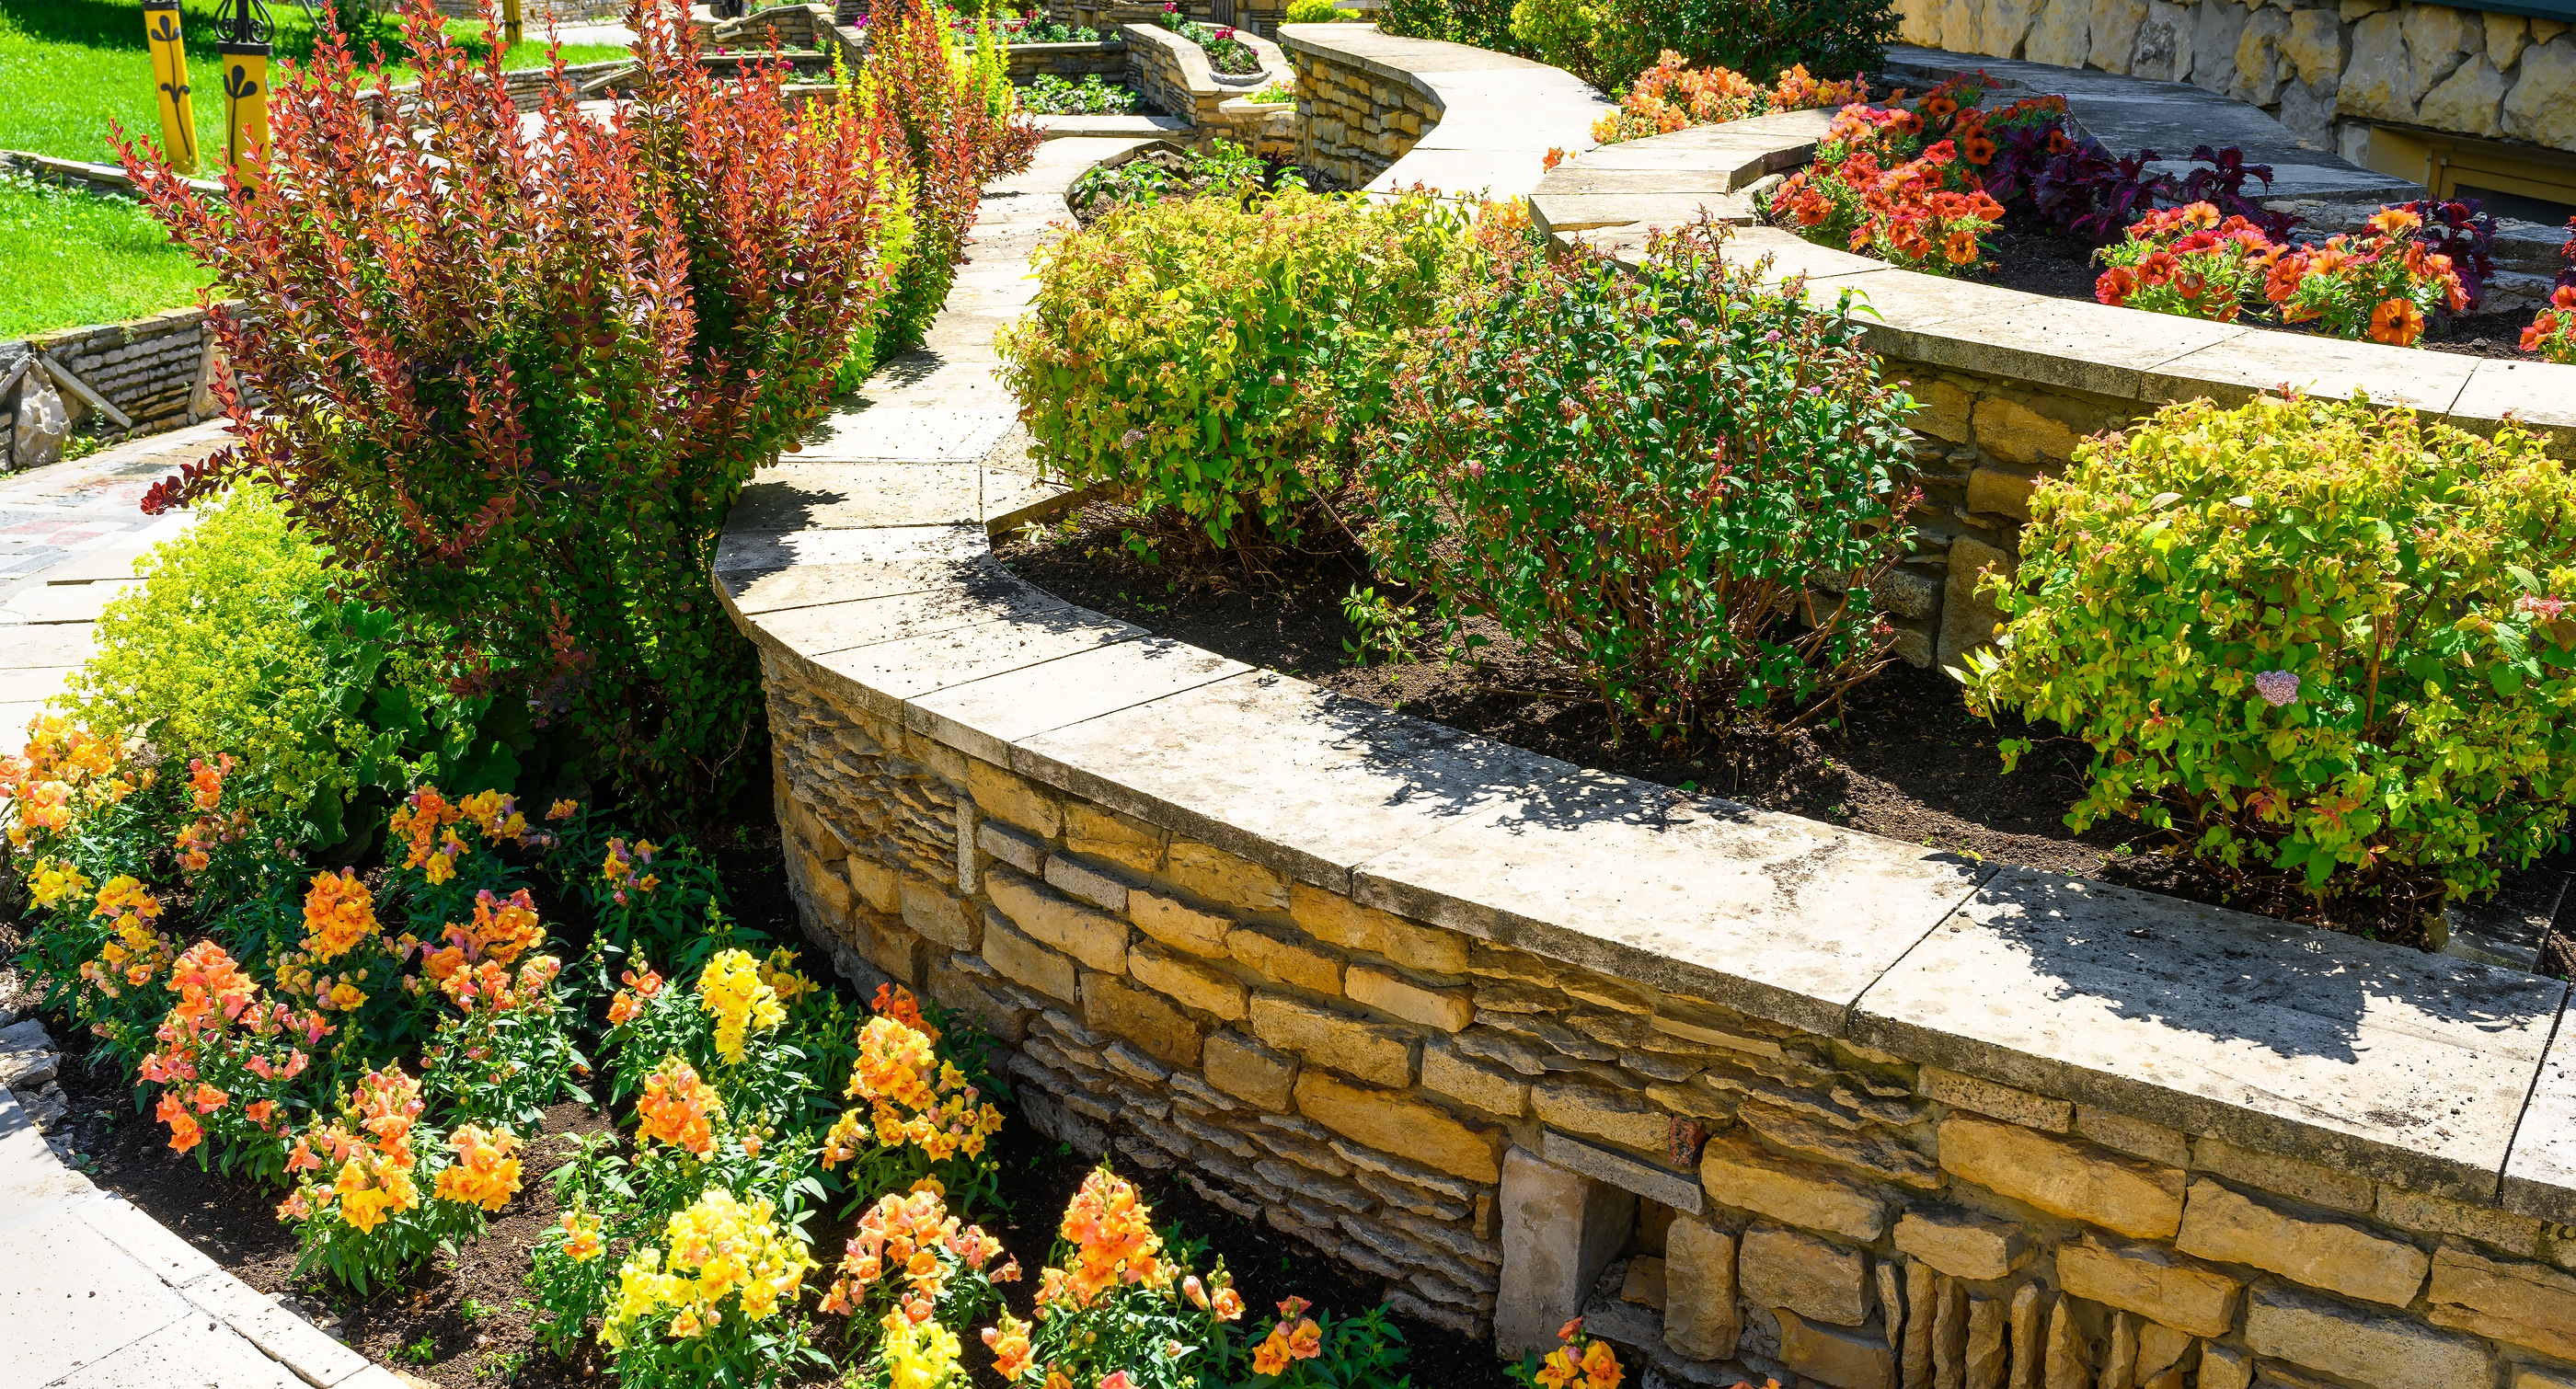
point(1908, 761)
point(2062, 268)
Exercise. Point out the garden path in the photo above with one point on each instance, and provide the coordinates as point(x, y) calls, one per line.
point(939, 405)
point(69, 535)
point(102, 1297)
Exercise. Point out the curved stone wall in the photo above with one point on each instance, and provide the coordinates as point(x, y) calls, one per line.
point(1492, 1026)
point(1383, 112)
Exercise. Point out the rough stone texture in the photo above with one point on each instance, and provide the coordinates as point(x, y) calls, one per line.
point(1115, 1006)
point(1369, 1051)
point(1737, 1173)
point(2367, 1347)
point(1194, 984)
point(1789, 1270)
point(1447, 1009)
point(2288, 1176)
point(1995, 1101)
point(1396, 1123)
point(1249, 1071)
point(2505, 1300)
point(1962, 1245)
point(1180, 926)
point(1670, 1190)
point(2152, 1283)
point(1495, 1090)
point(1600, 1111)
point(1700, 1320)
point(1093, 937)
point(1274, 953)
point(2074, 1180)
point(1834, 1355)
point(2231, 1228)
point(1559, 1230)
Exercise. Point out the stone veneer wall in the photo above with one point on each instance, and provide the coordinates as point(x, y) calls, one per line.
point(2325, 69)
point(1489, 1026)
point(1173, 73)
point(153, 369)
point(1354, 122)
point(1072, 61)
point(1487, 1126)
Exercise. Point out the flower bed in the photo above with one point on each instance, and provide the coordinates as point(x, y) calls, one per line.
point(1928, 186)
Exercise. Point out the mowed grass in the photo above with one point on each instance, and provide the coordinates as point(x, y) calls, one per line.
point(70, 67)
point(70, 257)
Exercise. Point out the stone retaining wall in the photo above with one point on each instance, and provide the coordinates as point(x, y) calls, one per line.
point(2326, 70)
point(1486, 1107)
point(1072, 61)
point(1173, 74)
point(1355, 123)
point(152, 369)
point(1759, 1096)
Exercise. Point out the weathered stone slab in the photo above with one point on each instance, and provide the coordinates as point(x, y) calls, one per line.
point(1559, 1230)
point(906, 434)
point(2540, 1173)
point(2365, 1058)
point(890, 673)
point(762, 573)
point(2063, 342)
point(1272, 769)
point(818, 631)
point(1620, 1170)
point(844, 496)
point(2376, 1348)
point(988, 717)
point(2542, 395)
point(44, 1344)
point(1775, 915)
point(2233, 371)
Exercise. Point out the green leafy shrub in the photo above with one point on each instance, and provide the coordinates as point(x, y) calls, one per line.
point(1646, 476)
point(1211, 355)
point(2309, 636)
point(1609, 42)
point(1479, 23)
point(235, 645)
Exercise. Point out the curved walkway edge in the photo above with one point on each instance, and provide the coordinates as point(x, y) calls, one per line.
point(101, 1296)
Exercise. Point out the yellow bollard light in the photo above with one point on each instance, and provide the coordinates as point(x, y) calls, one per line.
point(170, 84)
point(510, 30)
point(245, 103)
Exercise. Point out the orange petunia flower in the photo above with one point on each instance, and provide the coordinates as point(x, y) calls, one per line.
point(2396, 322)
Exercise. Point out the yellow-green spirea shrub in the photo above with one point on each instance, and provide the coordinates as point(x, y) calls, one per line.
point(2312, 636)
point(234, 643)
point(1211, 356)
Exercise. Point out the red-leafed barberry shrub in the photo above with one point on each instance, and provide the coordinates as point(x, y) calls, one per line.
point(960, 130)
point(514, 369)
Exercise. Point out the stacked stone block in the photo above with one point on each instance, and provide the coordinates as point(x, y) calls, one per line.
point(1355, 122)
point(1508, 1139)
point(152, 369)
point(1173, 74)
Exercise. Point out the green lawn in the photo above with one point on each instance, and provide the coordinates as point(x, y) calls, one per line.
point(69, 257)
point(68, 67)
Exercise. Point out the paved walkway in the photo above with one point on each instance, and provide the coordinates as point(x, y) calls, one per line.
point(105, 1298)
point(69, 535)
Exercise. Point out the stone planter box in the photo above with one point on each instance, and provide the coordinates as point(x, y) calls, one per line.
point(1173, 73)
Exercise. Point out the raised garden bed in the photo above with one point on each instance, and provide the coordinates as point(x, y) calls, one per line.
point(1908, 761)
